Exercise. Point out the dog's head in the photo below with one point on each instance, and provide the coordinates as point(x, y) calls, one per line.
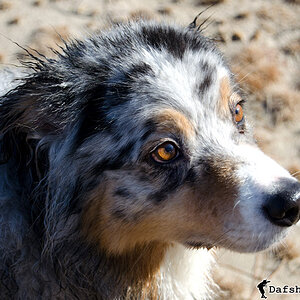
point(138, 136)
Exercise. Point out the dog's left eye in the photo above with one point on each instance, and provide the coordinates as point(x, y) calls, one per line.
point(165, 152)
point(238, 113)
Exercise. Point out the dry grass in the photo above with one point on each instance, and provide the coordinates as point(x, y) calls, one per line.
point(237, 36)
point(294, 169)
point(288, 251)
point(281, 102)
point(292, 48)
point(45, 38)
point(209, 2)
point(293, 1)
point(230, 288)
point(141, 14)
point(37, 3)
point(14, 21)
point(4, 5)
point(259, 71)
point(257, 67)
point(165, 11)
point(276, 13)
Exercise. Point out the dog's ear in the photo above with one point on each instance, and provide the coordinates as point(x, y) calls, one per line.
point(36, 108)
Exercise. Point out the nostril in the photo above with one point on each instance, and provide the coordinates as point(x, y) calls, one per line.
point(281, 211)
point(293, 214)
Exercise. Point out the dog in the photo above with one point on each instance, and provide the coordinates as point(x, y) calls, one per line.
point(124, 161)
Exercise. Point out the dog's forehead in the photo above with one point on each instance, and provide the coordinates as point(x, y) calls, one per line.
point(191, 87)
point(192, 82)
point(169, 74)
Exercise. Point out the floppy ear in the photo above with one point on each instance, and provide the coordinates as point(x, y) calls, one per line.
point(33, 106)
point(32, 110)
point(33, 116)
point(56, 94)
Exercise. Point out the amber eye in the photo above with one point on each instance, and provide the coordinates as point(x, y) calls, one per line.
point(238, 113)
point(165, 152)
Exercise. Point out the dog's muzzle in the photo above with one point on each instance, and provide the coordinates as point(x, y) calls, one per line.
point(282, 205)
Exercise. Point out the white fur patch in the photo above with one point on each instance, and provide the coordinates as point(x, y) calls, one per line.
point(184, 273)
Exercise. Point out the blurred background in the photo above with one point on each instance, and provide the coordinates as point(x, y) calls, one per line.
point(261, 40)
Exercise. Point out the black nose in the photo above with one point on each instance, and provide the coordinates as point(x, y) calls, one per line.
point(283, 204)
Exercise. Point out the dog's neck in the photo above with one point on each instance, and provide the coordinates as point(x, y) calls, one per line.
point(184, 273)
point(168, 272)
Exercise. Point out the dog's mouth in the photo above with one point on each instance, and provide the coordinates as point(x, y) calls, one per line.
point(198, 245)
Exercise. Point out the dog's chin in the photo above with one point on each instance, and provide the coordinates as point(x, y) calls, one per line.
point(257, 243)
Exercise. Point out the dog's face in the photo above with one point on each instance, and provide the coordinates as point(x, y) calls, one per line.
point(165, 146)
point(190, 172)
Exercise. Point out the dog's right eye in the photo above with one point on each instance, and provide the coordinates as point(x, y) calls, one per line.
point(165, 152)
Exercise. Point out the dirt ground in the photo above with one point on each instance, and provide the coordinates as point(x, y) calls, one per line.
point(261, 40)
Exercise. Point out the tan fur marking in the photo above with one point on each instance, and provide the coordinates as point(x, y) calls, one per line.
point(227, 97)
point(140, 262)
point(117, 236)
point(171, 119)
point(225, 92)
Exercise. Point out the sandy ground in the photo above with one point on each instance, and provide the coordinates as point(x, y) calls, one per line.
point(262, 42)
